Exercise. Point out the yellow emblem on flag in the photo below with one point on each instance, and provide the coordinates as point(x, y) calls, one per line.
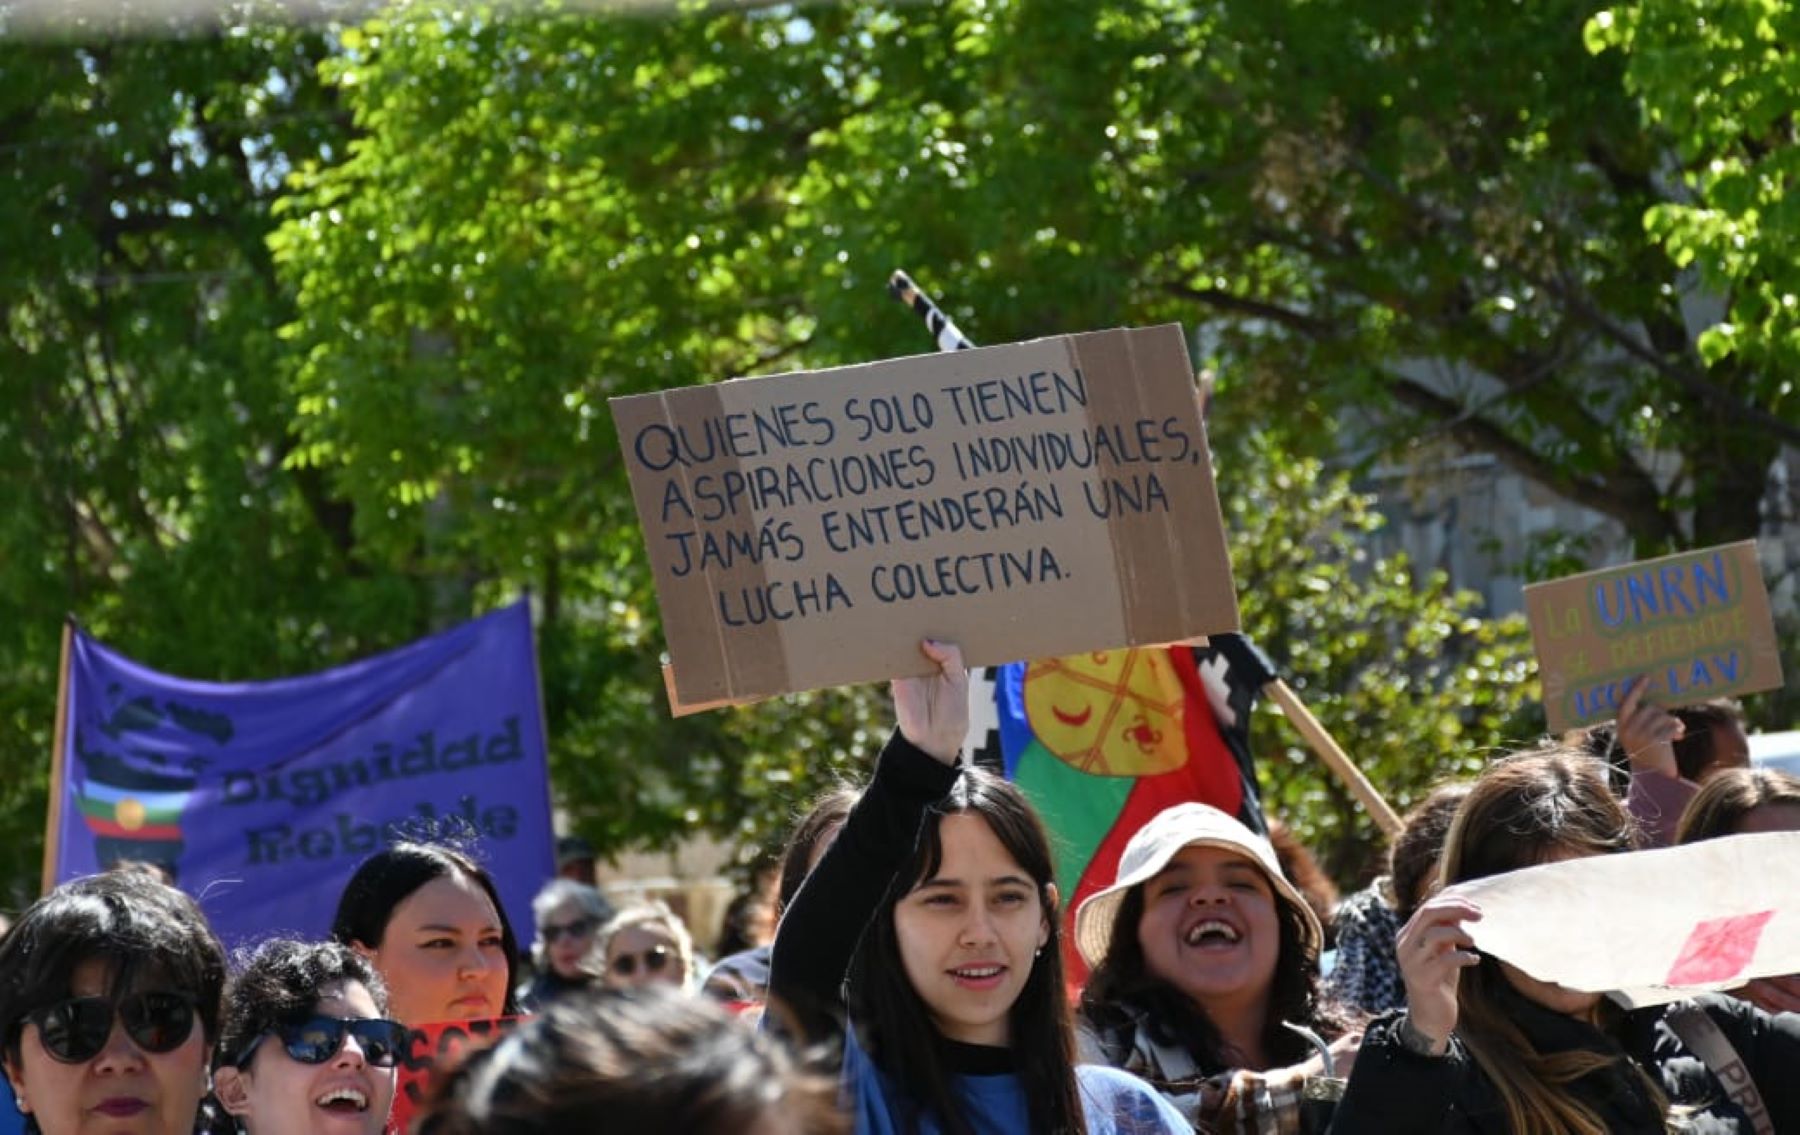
point(130, 814)
point(1109, 713)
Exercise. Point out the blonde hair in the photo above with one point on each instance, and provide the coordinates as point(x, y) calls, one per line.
point(1526, 810)
point(650, 913)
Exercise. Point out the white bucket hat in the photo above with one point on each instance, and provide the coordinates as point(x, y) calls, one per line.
point(1157, 842)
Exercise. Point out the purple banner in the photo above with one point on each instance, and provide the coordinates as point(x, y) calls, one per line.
point(260, 798)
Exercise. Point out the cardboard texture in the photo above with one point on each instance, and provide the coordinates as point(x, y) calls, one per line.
point(1725, 911)
point(1026, 501)
point(1697, 624)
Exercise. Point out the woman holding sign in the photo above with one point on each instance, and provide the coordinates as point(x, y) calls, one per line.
point(937, 899)
point(304, 1047)
point(1482, 1047)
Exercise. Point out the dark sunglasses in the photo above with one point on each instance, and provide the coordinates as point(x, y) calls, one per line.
point(317, 1039)
point(577, 929)
point(76, 1030)
point(654, 959)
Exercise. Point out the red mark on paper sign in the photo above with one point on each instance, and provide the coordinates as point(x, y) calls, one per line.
point(1719, 949)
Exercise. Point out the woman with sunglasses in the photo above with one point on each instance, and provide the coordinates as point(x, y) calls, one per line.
point(643, 945)
point(430, 920)
point(567, 914)
point(109, 999)
point(304, 1049)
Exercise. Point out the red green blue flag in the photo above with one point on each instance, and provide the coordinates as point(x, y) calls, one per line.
point(1101, 742)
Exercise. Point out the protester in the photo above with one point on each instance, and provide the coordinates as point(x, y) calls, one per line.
point(1671, 753)
point(1483, 1047)
point(643, 1061)
point(431, 920)
point(749, 922)
point(568, 915)
point(109, 1000)
point(1712, 739)
point(1366, 977)
point(1743, 801)
point(1202, 954)
point(742, 979)
point(646, 944)
point(937, 900)
point(575, 861)
point(304, 1048)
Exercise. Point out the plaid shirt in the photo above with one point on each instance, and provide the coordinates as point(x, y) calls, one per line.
point(1231, 1102)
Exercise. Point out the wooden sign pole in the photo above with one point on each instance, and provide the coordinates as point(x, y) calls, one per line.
point(58, 764)
point(1334, 757)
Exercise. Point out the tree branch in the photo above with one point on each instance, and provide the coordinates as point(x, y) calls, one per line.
point(1683, 374)
point(1256, 309)
point(1632, 500)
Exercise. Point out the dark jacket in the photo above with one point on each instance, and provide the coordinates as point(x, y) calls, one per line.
point(1394, 1091)
point(547, 987)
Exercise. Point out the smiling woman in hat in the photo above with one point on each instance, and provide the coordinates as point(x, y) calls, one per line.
point(1202, 953)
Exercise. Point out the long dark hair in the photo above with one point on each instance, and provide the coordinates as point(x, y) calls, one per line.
point(1523, 811)
point(1122, 989)
point(896, 1019)
point(385, 879)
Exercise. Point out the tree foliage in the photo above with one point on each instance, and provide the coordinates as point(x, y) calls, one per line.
point(1718, 81)
point(309, 332)
point(1410, 678)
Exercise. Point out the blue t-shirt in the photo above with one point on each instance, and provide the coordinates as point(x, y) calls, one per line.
point(11, 1122)
point(1114, 1102)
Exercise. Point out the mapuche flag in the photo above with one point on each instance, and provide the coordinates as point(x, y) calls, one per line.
point(1102, 742)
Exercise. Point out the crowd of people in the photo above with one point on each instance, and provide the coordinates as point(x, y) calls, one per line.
point(916, 980)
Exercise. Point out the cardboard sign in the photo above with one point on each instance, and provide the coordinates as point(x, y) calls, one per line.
point(1649, 927)
point(1025, 501)
point(441, 1044)
point(1696, 625)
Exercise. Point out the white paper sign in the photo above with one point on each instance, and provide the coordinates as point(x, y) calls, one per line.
point(1649, 927)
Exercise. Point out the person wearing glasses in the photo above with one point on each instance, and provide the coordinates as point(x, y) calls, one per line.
point(304, 1048)
point(646, 944)
point(431, 921)
point(109, 1000)
point(567, 914)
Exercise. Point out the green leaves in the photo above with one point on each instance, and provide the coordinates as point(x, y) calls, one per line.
point(310, 334)
point(1405, 673)
point(1719, 84)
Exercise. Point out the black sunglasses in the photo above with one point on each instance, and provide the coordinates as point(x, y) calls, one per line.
point(655, 958)
point(317, 1039)
point(580, 927)
point(76, 1030)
